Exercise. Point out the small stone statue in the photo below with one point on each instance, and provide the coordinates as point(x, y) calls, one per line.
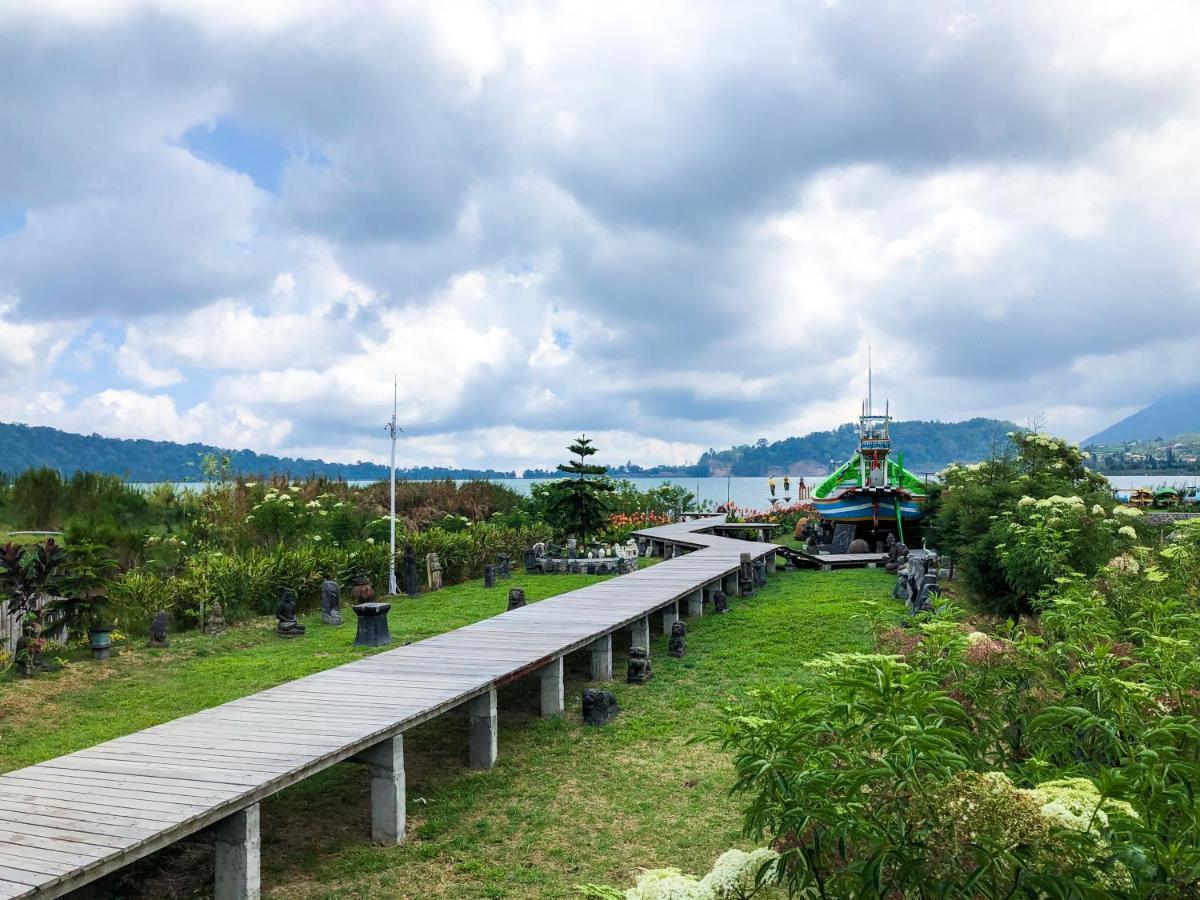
point(745, 575)
point(287, 625)
point(433, 571)
point(516, 598)
point(677, 645)
point(760, 572)
point(331, 600)
point(489, 576)
point(638, 671)
point(158, 630)
point(216, 619)
point(361, 590)
point(720, 603)
point(599, 707)
point(503, 565)
point(410, 571)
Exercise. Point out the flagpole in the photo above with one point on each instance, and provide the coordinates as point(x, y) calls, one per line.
point(392, 588)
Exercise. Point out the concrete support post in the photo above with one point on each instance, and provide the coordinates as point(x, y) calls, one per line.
point(771, 563)
point(709, 590)
point(483, 728)
point(551, 678)
point(386, 760)
point(238, 850)
point(670, 616)
point(730, 584)
point(641, 634)
point(695, 604)
point(602, 659)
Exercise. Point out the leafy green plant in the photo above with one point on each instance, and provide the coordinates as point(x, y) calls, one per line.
point(578, 505)
point(26, 577)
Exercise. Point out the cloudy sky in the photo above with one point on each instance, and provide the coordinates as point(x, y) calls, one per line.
point(674, 225)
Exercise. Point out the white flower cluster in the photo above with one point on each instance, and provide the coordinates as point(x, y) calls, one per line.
point(1127, 512)
point(1075, 803)
point(734, 875)
point(1127, 531)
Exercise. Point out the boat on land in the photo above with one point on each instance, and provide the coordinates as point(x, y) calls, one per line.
point(871, 488)
point(1166, 496)
point(1140, 497)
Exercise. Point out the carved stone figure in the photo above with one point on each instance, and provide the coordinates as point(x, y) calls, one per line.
point(216, 619)
point(720, 602)
point(158, 630)
point(285, 615)
point(638, 670)
point(760, 572)
point(745, 575)
point(516, 598)
point(858, 545)
point(361, 590)
point(489, 576)
point(677, 644)
point(372, 624)
point(410, 571)
point(433, 571)
point(599, 707)
point(331, 602)
point(843, 536)
point(503, 565)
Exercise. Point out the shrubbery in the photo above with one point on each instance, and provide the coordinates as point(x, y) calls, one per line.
point(1054, 758)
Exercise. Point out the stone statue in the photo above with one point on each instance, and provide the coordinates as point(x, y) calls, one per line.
point(410, 571)
point(489, 576)
point(858, 545)
point(638, 671)
point(158, 630)
point(287, 626)
point(677, 645)
point(503, 565)
point(720, 603)
point(331, 600)
point(745, 575)
point(433, 571)
point(599, 707)
point(516, 598)
point(216, 619)
point(361, 590)
point(760, 572)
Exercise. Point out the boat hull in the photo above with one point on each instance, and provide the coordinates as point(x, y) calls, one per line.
point(862, 508)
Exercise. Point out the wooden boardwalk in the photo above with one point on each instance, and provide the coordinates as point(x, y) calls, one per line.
point(66, 822)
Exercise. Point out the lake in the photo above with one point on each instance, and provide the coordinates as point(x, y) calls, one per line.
point(753, 492)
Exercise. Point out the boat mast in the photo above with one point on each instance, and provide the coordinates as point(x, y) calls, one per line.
point(393, 589)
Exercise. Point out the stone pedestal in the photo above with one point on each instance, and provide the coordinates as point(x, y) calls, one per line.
point(372, 624)
point(386, 761)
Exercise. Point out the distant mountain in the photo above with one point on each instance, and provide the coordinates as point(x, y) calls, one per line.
point(925, 446)
point(24, 446)
point(1165, 418)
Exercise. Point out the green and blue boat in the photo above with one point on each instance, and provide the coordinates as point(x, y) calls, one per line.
point(871, 488)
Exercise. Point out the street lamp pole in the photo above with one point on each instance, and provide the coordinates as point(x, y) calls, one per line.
point(392, 430)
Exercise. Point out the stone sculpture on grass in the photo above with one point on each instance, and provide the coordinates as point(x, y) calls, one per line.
point(285, 616)
point(677, 645)
point(599, 707)
point(331, 599)
point(638, 669)
point(159, 626)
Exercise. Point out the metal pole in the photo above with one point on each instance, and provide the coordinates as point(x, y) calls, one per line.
point(392, 587)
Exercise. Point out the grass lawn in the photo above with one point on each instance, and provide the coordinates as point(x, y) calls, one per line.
point(566, 804)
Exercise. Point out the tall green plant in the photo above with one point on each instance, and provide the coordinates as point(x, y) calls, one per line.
point(579, 504)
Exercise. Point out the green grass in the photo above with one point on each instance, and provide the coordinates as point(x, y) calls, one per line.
point(566, 804)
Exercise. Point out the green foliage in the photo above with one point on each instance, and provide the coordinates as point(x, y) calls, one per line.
point(579, 506)
point(976, 508)
point(1058, 759)
point(38, 498)
point(26, 575)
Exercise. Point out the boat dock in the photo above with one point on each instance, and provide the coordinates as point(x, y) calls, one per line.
point(71, 820)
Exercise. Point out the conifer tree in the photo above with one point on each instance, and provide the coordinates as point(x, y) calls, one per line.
point(579, 505)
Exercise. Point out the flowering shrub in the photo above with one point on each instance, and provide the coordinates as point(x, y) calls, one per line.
point(737, 875)
point(1051, 758)
point(622, 525)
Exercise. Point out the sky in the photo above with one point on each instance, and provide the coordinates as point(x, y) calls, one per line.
point(672, 225)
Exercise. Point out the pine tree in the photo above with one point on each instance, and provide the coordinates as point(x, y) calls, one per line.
point(579, 505)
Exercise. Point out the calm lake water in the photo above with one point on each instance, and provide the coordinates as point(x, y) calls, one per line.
point(754, 493)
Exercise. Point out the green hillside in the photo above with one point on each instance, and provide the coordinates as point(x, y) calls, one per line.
point(25, 446)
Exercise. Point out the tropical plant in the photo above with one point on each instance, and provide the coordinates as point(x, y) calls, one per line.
point(26, 577)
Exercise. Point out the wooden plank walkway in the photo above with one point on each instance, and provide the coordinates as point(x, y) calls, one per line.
point(66, 822)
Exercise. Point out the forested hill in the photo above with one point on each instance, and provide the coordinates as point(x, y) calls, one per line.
point(24, 446)
point(926, 447)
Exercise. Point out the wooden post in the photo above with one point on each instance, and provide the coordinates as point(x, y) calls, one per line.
point(238, 850)
point(483, 728)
